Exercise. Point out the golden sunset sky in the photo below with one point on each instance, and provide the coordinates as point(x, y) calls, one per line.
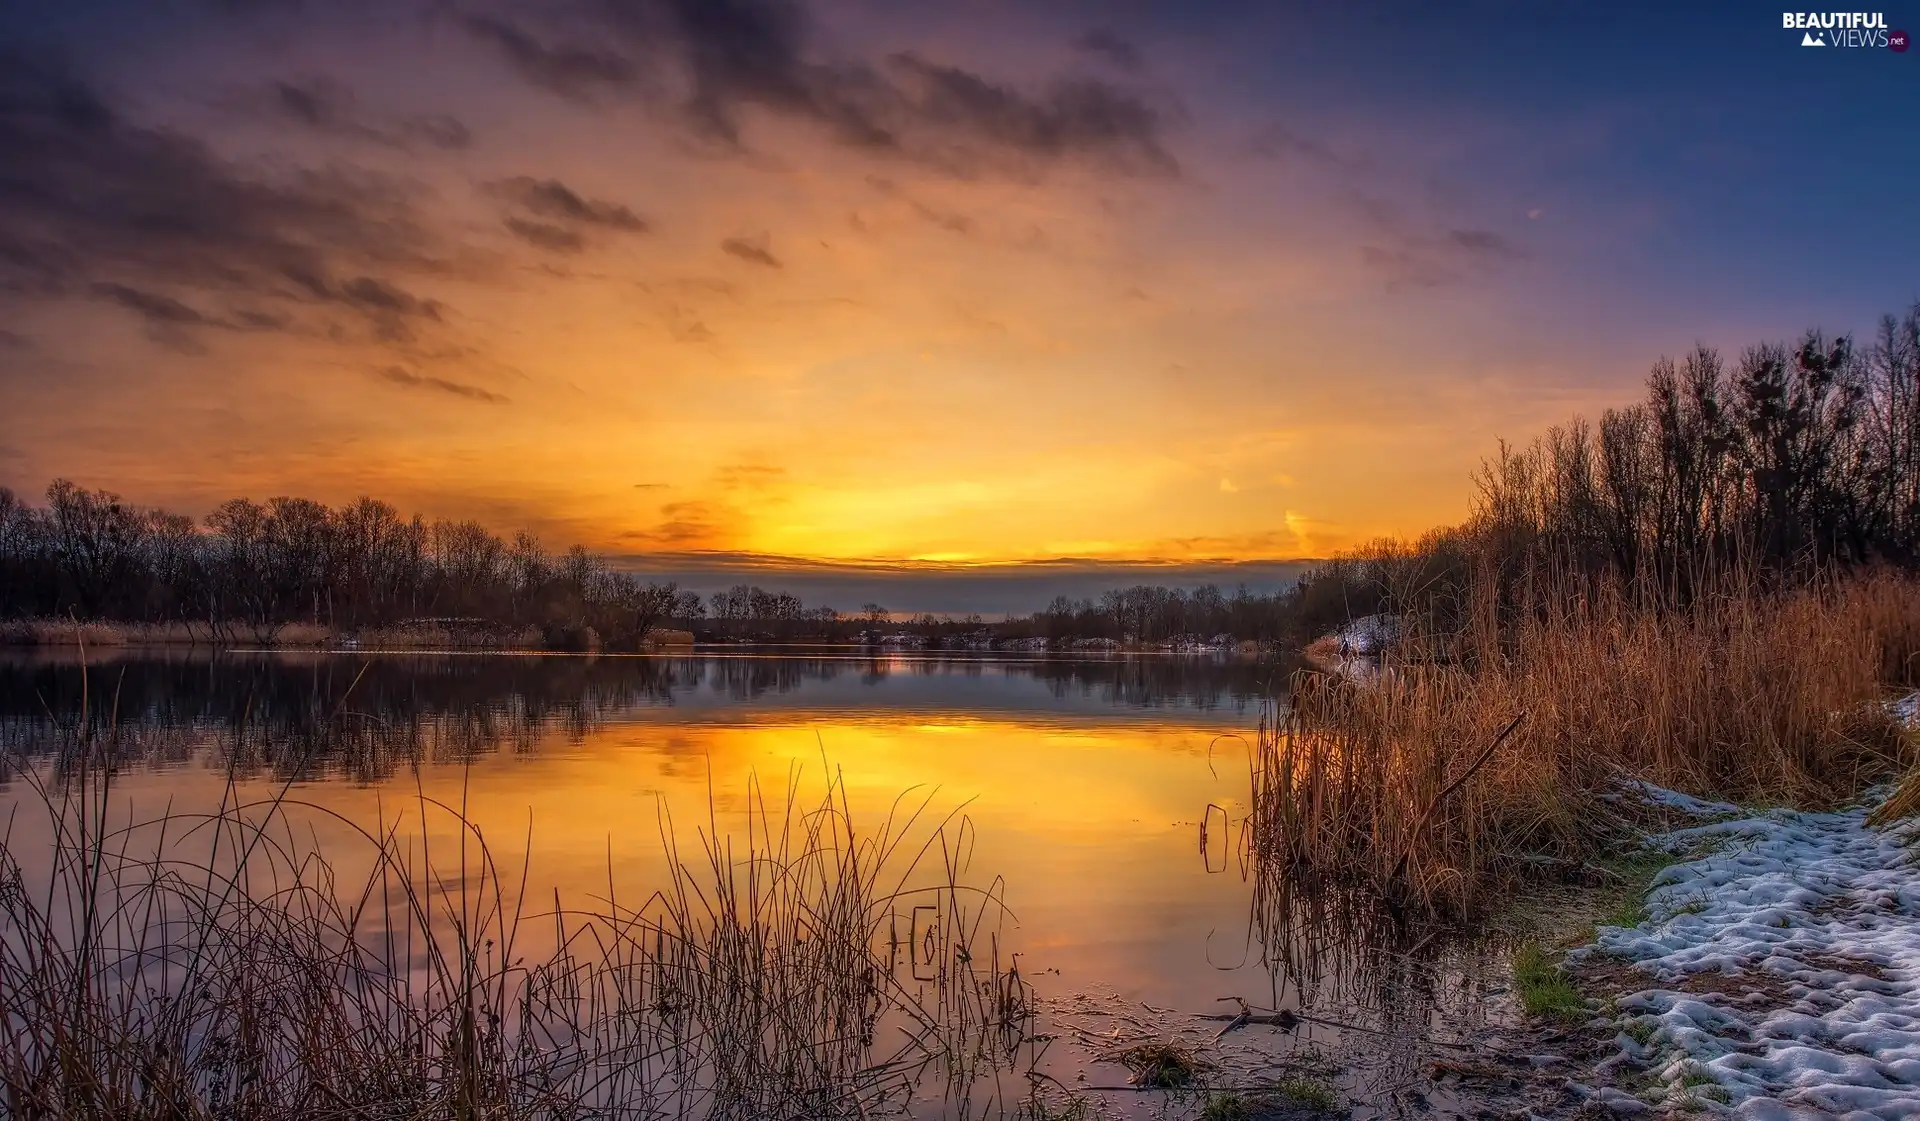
point(968, 282)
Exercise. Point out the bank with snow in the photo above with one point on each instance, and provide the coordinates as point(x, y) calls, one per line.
point(1781, 969)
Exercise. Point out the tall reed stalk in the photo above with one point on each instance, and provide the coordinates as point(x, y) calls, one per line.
point(218, 965)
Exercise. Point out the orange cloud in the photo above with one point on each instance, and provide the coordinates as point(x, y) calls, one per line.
point(971, 318)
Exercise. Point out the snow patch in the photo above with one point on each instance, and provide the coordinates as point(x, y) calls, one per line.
point(1674, 800)
point(1784, 966)
point(1369, 635)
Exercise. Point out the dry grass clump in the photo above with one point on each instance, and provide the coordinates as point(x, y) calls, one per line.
point(479, 634)
point(451, 634)
point(1903, 803)
point(66, 632)
point(1496, 751)
point(59, 632)
point(218, 966)
point(1161, 1065)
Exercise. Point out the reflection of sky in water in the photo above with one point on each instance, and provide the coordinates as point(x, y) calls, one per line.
point(734, 688)
point(1084, 784)
point(1120, 690)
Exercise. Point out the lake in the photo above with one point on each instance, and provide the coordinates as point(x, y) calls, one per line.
point(1101, 799)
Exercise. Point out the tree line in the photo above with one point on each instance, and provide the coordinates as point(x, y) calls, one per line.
point(1140, 614)
point(251, 568)
point(1788, 456)
point(1154, 613)
point(1780, 464)
point(258, 567)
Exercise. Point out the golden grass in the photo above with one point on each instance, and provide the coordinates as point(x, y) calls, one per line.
point(1405, 782)
point(1904, 802)
point(64, 632)
point(438, 635)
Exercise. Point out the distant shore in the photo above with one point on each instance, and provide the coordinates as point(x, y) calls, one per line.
point(452, 634)
point(420, 634)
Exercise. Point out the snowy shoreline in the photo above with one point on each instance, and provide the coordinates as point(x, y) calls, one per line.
point(1782, 968)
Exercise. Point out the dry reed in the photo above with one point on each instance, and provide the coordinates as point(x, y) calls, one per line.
point(1496, 750)
point(217, 965)
point(97, 633)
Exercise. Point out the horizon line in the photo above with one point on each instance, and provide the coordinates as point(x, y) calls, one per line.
point(781, 562)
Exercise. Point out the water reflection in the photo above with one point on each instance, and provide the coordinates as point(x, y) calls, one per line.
point(1085, 782)
point(287, 709)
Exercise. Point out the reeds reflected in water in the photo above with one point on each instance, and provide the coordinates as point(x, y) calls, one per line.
point(227, 964)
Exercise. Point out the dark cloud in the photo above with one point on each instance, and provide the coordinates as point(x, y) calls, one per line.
point(330, 108)
point(721, 57)
point(705, 523)
point(575, 72)
point(691, 524)
point(691, 332)
point(1075, 117)
point(550, 198)
point(390, 309)
point(748, 476)
point(556, 239)
point(1120, 52)
point(561, 216)
point(92, 203)
point(440, 130)
point(174, 323)
point(260, 320)
point(1279, 142)
point(383, 298)
point(10, 340)
point(1483, 242)
point(403, 377)
point(756, 252)
point(1408, 252)
point(1432, 263)
point(712, 522)
point(157, 309)
point(308, 104)
point(1405, 267)
point(945, 219)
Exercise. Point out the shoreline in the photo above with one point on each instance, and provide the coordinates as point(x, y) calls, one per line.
point(48, 633)
point(1771, 969)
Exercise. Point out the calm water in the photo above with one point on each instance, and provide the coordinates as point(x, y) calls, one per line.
point(1085, 783)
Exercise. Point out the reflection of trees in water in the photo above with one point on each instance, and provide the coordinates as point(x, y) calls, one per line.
point(743, 679)
point(1148, 682)
point(305, 716)
point(232, 690)
point(1124, 681)
point(309, 717)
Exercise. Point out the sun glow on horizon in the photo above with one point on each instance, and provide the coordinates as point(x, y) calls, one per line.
point(1139, 306)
